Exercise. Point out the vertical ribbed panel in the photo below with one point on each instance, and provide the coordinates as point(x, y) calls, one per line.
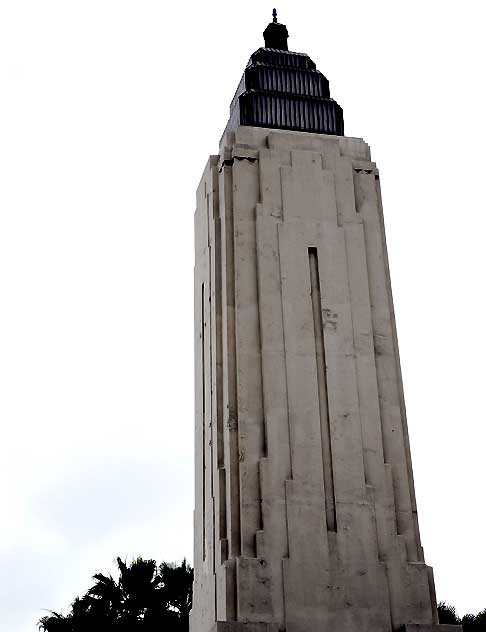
point(287, 112)
point(287, 80)
point(284, 90)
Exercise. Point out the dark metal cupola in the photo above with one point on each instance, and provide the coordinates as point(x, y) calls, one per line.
point(284, 90)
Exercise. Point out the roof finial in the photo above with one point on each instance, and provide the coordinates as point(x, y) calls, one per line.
point(276, 34)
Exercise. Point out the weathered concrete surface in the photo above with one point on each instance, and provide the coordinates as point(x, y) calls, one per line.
point(305, 511)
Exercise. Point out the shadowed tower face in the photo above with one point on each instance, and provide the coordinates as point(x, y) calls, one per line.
point(305, 516)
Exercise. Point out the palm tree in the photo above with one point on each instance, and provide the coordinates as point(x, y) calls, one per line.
point(177, 587)
point(145, 597)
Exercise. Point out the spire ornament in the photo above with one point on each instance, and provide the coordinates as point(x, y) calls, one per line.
point(276, 34)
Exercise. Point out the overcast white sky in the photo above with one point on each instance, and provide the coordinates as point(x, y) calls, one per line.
point(108, 112)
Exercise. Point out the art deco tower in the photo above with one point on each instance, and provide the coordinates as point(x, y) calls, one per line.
point(305, 516)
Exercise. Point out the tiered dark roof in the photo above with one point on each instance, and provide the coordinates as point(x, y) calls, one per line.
point(284, 90)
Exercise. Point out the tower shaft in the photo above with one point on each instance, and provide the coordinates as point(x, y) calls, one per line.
point(305, 515)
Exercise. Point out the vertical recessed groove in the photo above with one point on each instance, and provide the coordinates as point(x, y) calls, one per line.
point(223, 524)
point(211, 414)
point(219, 414)
point(203, 406)
point(233, 478)
point(322, 391)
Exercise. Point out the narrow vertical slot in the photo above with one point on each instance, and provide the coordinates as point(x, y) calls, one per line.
point(203, 417)
point(218, 368)
point(211, 429)
point(229, 374)
point(322, 391)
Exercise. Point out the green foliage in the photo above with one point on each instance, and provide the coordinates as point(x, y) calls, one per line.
point(145, 597)
point(469, 622)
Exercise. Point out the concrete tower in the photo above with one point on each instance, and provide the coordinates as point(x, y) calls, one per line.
point(305, 516)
